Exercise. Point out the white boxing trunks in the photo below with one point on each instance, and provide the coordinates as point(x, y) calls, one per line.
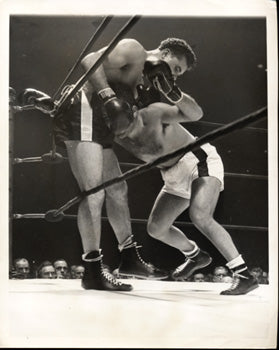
point(205, 161)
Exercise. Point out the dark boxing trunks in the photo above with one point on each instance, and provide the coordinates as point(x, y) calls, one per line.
point(84, 121)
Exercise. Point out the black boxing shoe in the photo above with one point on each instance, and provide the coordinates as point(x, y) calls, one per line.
point(99, 278)
point(243, 283)
point(185, 270)
point(132, 265)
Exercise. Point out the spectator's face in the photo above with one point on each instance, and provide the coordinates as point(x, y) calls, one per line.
point(219, 273)
point(48, 272)
point(79, 272)
point(61, 268)
point(256, 273)
point(199, 277)
point(22, 268)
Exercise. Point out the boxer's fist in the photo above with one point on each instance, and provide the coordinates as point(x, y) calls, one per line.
point(37, 98)
point(159, 74)
point(120, 115)
point(158, 70)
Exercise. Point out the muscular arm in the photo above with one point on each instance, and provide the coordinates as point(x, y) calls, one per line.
point(128, 52)
point(187, 110)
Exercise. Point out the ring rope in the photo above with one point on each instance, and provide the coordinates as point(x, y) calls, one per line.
point(52, 160)
point(39, 216)
point(65, 98)
point(223, 130)
point(90, 43)
point(139, 221)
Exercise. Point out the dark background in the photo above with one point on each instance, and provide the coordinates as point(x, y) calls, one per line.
point(229, 82)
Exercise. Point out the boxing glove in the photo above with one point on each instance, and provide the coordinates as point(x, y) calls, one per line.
point(147, 95)
point(158, 70)
point(159, 74)
point(120, 115)
point(37, 98)
point(118, 112)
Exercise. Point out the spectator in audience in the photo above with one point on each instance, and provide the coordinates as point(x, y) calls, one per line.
point(72, 271)
point(61, 268)
point(265, 277)
point(21, 269)
point(258, 273)
point(77, 271)
point(198, 277)
point(46, 270)
point(219, 273)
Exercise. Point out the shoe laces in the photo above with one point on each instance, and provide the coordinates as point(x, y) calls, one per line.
point(182, 266)
point(235, 283)
point(236, 280)
point(110, 278)
point(140, 258)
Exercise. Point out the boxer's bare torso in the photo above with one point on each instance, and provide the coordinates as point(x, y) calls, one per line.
point(156, 132)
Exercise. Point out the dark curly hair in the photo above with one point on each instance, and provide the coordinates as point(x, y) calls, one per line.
point(180, 47)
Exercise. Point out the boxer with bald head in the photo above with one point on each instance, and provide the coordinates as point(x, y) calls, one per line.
point(88, 127)
point(129, 77)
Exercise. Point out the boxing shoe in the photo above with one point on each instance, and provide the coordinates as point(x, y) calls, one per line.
point(132, 265)
point(185, 270)
point(243, 283)
point(97, 277)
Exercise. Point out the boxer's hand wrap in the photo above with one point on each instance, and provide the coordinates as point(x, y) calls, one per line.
point(159, 74)
point(118, 112)
point(106, 94)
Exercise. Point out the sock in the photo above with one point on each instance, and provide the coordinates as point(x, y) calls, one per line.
point(192, 253)
point(127, 243)
point(92, 256)
point(238, 266)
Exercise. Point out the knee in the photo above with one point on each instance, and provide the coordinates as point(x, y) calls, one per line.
point(94, 201)
point(154, 228)
point(118, 192)
point(199, 217)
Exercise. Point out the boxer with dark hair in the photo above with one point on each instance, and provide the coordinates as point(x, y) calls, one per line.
point(192, 181)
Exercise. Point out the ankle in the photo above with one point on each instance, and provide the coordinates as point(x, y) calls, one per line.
point(193, 252)
point(92, 256)
point(127, 243)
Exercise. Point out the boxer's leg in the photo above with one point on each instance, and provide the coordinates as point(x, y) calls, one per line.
point(131, 262)
point(205, 194)
point(86, 161)
point(166, 209)
point(116, 197)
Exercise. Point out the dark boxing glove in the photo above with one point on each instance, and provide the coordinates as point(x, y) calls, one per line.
point(147, 95)
point(160, 70)
point(159, 74)
point(118, 112)
point(39, 99)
